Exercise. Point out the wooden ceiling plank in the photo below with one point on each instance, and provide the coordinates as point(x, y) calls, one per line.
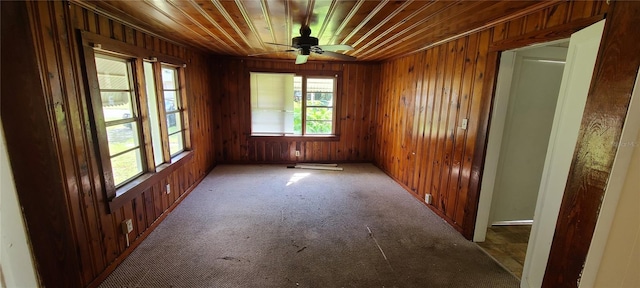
point(250, 23)
point(156, 6)
point(476, 27)
point(394, 30)
point(360, 14)
point(387, 20)
point(157, 29)
point(346, 20)
point(179, 5)
point(298, 14)
point(381, 29)
point(325, 22)
point(267, 18)
point(215, 24)
point(382, 4)
point(287, 14)
point(430, 31)
point(334, 20)
point(309, 19)
point(280, 23)
point(241, 34)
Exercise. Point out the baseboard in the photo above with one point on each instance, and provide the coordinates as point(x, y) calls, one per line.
point(512, 223)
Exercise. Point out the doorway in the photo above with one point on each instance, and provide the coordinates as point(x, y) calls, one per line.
point(526, 95)
point(576, 77)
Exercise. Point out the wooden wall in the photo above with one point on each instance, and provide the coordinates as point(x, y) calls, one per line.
point(425, 97)
point(76, 241)
point(355, 108)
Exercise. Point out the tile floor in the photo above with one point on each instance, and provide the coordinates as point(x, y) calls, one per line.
point(508, 245)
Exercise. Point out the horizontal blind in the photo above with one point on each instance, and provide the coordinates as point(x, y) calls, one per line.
point(271, 103)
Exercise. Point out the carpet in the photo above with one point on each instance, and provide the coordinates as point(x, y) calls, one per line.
point(269, 226)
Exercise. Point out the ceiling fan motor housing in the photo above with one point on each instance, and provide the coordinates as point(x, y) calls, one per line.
point(304, 43)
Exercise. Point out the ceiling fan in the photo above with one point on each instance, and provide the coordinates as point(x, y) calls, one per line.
point(305, 44)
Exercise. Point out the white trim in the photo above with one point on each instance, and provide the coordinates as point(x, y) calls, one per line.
point(512, 223)
point(499, 114)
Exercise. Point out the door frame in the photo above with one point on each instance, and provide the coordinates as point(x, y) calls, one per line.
point(536, 271)
point(507, 67)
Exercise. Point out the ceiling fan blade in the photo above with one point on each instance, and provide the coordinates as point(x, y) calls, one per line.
point(273, 52)
point(335, 47)
point(285, 45)
point(339, 56)
point(301, 59)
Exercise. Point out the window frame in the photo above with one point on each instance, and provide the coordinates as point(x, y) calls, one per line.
point(335, 74)
point(135, 114)
point(93, 44)
point(304, 107)
point(179, 112)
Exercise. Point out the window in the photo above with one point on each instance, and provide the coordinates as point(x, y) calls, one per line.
point(285, 104)
point(154, 118)
point(138, 112)
point(121, 120)
point(173, 107)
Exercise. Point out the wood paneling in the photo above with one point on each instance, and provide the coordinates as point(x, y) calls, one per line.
point(76, 241)
point(604, 116)
point(404, 114)
point(25, 119)
point(425, 97)
point(355, 108)
point(378, 30)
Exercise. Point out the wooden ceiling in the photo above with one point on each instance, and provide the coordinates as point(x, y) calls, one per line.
point(378, 30)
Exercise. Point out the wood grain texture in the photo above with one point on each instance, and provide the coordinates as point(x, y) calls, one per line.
point(605, 111)
point(76, 239)
point(355, 115)
point(425, 96)
point(35, 152)
point(403, 114)
point(378, 30)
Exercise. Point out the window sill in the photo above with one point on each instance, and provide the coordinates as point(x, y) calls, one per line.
point(134, 188)
point(295, 138)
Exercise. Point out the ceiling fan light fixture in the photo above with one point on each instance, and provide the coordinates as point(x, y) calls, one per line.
point(305, 45)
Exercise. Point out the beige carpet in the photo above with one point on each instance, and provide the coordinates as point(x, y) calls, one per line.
point(269, 226)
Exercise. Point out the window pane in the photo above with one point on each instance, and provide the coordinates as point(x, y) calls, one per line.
point(154, 120)
point(174, 123)
point(317, 113)
point(116, 106)
point(297, 105)
point(113, 73)
point(319, 127)
point(122, 137)
point(126, 166)
point(319, 99)
point(169, 78)
point(320, 91)
point(319, 120)
point(176, 143)
point(170, 101)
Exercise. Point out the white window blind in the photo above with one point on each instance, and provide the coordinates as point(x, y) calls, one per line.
point(272, 103)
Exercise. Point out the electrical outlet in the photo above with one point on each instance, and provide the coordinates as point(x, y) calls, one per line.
point(465, 123)
point(428, 198)
point(168, 188)
point(297, 153)
point(127, 226)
